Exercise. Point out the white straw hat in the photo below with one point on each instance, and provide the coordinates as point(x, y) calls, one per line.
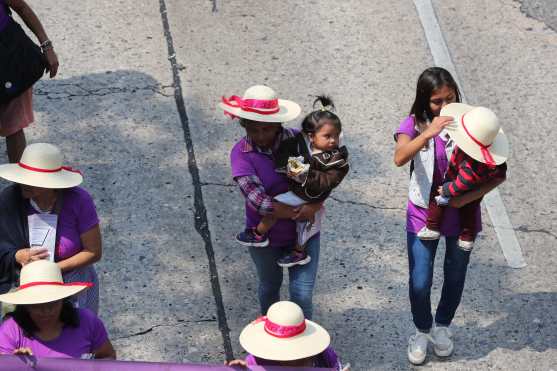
point(41, 165)
point(41, 282)
point(260, 103)
point(284, 334)
point(476, 130)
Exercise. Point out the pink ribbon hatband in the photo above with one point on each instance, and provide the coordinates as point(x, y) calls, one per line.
point(281, 331)
point(259, 106)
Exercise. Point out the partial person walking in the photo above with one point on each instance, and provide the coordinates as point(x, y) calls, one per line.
point(15, 52)
point(285, 338)
point(46, 194)
point(261, 114)
point(422, 141)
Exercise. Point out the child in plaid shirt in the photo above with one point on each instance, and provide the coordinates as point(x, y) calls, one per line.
point(463, 175)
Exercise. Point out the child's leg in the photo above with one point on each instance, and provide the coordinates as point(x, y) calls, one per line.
point(468, 221)
point(265, 225)
point(15, 144)
point(434, 215)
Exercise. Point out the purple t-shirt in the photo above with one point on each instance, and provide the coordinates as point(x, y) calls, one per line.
point(78, 215)
point(253, 162)
point(73, 342)
point(416, 216)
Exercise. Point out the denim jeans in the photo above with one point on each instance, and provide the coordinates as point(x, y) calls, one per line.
point(421, 257)
point(302, 277)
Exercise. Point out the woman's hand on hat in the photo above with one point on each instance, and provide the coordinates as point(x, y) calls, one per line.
point(236, 362)
point(27, 255)
point(437, 125)
point(23, 351)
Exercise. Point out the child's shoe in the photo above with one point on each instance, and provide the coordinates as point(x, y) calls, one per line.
point(427, 234)
point(249, 237)
point(294, 258)
point(465, 245)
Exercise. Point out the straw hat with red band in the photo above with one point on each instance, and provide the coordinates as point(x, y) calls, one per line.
point(476, 131)
point(41, 282)
point(41, 165)
point(260, 103)
point(284, 334)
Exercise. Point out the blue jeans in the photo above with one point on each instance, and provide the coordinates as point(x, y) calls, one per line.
point(421, 257)
point(302, 277)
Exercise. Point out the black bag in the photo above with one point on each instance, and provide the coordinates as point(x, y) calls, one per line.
point(22, 62)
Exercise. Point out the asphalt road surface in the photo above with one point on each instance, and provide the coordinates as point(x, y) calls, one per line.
point(175, 286)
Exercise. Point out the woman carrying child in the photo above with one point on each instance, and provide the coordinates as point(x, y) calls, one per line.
point(315, 163)
point(421, 140)
point(261, 114)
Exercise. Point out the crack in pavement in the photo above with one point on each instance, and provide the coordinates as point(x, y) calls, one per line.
point(365, 204)
point(77, 90)
point(180, 321)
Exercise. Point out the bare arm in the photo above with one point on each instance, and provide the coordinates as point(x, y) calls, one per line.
point(35, 25)
point(105, 351)
point(91, 253)
point(406, 147)
point(468, 197)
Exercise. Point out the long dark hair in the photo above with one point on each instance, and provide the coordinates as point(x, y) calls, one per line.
point(433, 78)
point(69, 317)
point(324, 114)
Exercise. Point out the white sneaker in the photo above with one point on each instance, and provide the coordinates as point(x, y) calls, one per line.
point(442, 343)
point(417, 347)
point(465, 245)
point(427, 234)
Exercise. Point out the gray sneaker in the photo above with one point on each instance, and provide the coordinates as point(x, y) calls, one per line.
point(441, 337)
point(417, 347)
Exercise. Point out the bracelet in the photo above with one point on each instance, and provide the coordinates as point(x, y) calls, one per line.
point(46, 45)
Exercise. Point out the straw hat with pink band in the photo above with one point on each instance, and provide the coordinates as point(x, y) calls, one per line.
point(476, 131)
point(41, 282)
point(284, 334)
point(260, 103)
point(41, 165)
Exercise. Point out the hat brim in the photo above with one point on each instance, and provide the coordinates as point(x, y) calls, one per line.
point(255, 340)
point(499, 149)
point(60, 179)
point(288, 111)
point(41, 294)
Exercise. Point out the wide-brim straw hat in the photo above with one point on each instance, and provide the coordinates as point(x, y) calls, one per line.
point(476, 131)
point(260, 103)
point(41, 165)
point(41, 282)
point(284, 334)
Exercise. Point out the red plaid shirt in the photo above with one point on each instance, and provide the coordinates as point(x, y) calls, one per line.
point(465, 174)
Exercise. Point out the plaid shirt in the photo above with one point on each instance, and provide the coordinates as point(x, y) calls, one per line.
point(251, 186)
point(465, 173)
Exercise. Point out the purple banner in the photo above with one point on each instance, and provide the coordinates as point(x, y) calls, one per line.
point(28, 363)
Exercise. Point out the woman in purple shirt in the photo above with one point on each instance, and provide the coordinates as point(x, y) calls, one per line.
point(421, 139)
point(43, 186)
point(45, 323)
point(261, 115)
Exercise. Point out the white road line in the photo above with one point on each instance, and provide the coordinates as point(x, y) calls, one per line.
point(493, 202)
